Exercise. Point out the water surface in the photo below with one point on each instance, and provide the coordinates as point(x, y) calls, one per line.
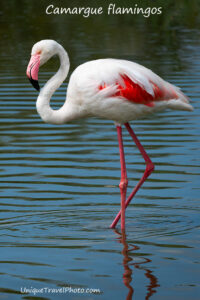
point(59, 184)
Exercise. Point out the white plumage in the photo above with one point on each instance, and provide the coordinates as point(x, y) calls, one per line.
point(84, 96)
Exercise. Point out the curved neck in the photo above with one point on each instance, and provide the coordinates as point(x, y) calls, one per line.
point(66, 112)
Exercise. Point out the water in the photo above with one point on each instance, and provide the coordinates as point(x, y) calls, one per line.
point(59, 184)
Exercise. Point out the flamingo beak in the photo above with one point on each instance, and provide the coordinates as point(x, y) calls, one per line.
point(33, 69)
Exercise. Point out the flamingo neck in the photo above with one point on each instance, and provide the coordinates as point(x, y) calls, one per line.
point(67, 112)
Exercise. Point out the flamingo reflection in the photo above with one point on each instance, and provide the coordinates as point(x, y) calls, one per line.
point(129, 261)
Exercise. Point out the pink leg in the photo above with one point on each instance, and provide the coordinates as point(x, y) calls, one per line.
point(124, 182)
point(149, 169)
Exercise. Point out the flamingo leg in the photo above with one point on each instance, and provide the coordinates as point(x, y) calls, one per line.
point(149, 169)
point(124, 182)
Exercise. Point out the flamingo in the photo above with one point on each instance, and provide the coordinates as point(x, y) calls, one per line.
point(114, 89)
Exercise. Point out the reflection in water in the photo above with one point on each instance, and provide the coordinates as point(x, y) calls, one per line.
point(127, 276)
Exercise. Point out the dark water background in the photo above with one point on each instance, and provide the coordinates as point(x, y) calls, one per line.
point(59, 184)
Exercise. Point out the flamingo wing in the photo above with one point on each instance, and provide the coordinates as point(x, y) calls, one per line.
point(137, 84)
point(125, 80)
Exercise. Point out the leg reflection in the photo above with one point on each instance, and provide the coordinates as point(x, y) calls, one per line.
point(128, 261)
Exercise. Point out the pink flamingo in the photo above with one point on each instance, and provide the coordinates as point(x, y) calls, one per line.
point(114, 89)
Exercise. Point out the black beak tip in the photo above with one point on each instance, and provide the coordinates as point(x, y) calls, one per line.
point(35, 84)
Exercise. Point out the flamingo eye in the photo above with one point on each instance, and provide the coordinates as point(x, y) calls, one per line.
point(39, 52)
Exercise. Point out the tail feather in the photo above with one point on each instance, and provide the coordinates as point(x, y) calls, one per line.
point(183, 101)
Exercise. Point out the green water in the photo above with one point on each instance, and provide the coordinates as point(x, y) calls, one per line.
point(59, 184)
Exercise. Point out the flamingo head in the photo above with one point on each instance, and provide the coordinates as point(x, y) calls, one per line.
point(41, 52)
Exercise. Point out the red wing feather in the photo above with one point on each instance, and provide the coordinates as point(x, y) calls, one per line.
point(137, 94)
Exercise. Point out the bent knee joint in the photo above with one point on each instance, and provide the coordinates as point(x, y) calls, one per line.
point(123, 184)
point(150, 167)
